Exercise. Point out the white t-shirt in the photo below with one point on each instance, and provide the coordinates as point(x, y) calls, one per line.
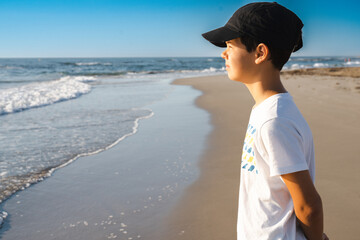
point(278, 141)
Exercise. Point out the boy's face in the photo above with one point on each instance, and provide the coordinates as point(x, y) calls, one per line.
point(240, 64)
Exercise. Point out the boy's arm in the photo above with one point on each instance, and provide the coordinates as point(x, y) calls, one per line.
point(307, 203)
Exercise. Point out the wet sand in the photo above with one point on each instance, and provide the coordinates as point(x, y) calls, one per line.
point(329, 100)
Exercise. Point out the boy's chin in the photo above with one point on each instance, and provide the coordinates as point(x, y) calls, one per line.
point(232, 77)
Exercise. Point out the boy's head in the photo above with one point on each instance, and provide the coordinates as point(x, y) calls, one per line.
point(262, 22)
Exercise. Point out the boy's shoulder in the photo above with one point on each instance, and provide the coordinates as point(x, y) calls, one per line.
point(278, 113)
point(279, 105)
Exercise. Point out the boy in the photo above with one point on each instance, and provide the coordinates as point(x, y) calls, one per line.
point(277, 198)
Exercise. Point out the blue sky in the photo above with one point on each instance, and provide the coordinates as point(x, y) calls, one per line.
point(157, 28)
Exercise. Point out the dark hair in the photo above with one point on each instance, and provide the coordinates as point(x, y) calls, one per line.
point(278, 56)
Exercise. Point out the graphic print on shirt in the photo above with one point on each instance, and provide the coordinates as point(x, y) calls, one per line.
point(247, 161)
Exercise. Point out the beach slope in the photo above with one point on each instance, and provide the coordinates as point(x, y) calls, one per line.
point(329, 102)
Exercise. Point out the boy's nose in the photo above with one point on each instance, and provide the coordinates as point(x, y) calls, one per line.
point(223, 54)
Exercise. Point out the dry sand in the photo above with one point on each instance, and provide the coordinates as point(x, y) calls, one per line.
point(331, 105)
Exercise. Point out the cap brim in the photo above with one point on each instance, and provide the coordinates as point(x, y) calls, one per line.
point(298, 45)
point(219, 36)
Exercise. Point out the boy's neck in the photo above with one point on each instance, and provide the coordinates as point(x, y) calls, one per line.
point(264, 86)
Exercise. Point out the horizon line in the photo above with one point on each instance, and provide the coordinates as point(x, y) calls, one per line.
point(356, 56)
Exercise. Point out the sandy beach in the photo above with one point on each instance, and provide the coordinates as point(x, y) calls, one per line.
point(329, 100)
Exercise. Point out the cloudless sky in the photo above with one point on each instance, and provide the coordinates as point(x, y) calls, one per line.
point(158, 28)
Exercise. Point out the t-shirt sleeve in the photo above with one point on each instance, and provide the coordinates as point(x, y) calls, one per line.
point(284, 147)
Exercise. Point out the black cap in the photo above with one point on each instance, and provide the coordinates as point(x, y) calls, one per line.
point(269, 23)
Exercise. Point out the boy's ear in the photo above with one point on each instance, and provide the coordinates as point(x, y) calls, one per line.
point(262, 53)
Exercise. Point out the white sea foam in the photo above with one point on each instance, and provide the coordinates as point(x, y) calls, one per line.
point(3, 215)
point(295, 66)
point(91, 63)
point(134, 130)
point(212, 69)
point(320, 65)
point(43, 93)
point(352, 63)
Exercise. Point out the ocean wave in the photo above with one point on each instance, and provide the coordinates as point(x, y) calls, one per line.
point(296, 66)
point(10, 67)
point(40, 165)
point(205, 70)
point(147, 72)
point(87, 63)
point(92, 64)
point(43, 93)
point(104, 74)
point(320, 65)
point(353, 63)
point(212, 69)
point(3, 215)
point(315, 59)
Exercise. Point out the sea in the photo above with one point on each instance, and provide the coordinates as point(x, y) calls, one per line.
point(55, 110)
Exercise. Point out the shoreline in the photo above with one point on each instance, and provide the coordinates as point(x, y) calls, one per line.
point(330, 104)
